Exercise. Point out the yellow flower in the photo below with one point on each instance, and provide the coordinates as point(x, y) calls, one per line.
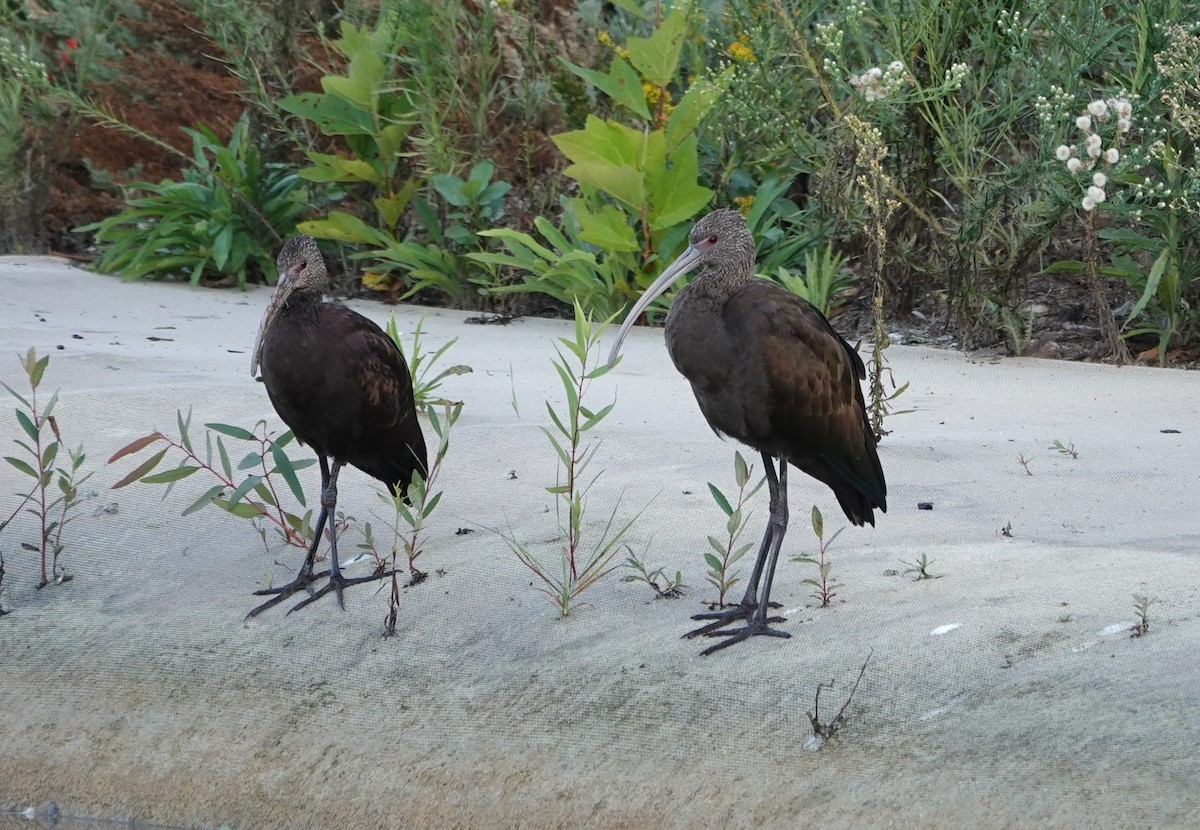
point(652, 92)
point(604, 37)
point(741, 50)
point(744, 203)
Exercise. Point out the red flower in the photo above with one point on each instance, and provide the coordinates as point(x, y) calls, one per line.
point(72, 43)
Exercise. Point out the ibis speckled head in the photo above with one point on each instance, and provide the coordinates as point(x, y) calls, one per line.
point(720, 242)
point(301, 268)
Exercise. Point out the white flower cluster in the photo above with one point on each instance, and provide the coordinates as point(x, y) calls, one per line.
point(1098, 112)
point(1051, 110)
point(875, 84)
point(23, 67)
point(1010, 24)
point(829, 38)
point(955, 75)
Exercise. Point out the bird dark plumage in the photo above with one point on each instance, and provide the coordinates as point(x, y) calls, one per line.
point(768, 370)
point(343, 387)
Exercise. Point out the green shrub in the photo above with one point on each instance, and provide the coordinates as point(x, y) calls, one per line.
point(223, 221)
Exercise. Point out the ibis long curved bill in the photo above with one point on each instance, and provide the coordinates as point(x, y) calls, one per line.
point(684, 263)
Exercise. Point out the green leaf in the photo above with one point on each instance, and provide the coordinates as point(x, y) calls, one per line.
point(142, 469)
point(1152, 280)
point(251, 461)
point(241, 510)
point(700, 98)
point(27, 425)
point(720, 499)
point(233, 432)
point(170, 475)
point(344, 227)
point(622, 84)
point(657, 57)
point(245, 487)
point(741, 473)
point(609, 229)
point(672, 189)
point(332, 114)
point(225, 465)
point(818, 523)
point(204, 500)
point(22, 466)
point(284, 465)
point(135, 446)
point(714, 562)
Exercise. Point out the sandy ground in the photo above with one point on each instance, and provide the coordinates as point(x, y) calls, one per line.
point(137, 690)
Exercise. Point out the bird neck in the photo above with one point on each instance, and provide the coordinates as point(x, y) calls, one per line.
point(717, 283)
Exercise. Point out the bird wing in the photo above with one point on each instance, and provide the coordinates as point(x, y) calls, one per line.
point(816, 415)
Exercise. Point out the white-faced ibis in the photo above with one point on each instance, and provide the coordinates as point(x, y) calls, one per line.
point(343, 387)
point(768, 370)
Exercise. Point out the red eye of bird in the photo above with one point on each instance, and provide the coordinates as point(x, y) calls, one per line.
point(712, 240)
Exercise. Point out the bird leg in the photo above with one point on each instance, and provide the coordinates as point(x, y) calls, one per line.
point(305, 577)
point(336, 581)
point(745, 609)
point(758, 622)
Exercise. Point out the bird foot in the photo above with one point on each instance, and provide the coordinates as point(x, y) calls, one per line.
point(755, 628)
point(302, 582)
point(337, 583)
point(742, 611)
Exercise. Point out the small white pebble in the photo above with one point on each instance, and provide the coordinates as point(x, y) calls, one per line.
point(944, 629)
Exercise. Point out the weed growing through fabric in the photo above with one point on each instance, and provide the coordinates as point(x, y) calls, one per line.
point(1064, 449)
point(725, 554)
point(410, 514)
point(52, 510)
point(1142, 604)
point(422, 367)
point(826, 586)
point(254, 497)
point(663, 586)
point(1024, 462)
point(579, 565)
point(919, 568)
point(824, 730)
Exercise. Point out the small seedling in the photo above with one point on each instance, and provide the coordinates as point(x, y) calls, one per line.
point(920, 567)
point(1142, 604)
point(664, 587)
point(421, 367)
point(824, 730)
point(579, 567)
point(409, 513)
point(1064, 618)
point(825, 584)
point(255, 497)
point(1024, 462)
point(1068, 449)
point(52, 512)
point(726, 553)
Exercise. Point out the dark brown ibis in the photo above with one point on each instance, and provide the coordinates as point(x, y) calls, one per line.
point(343, 387)
point(768, 370)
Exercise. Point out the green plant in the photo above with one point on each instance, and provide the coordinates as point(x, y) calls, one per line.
point(570, 270)
point(579, 566)
point(255, 497)
point(646, 174)
point(822, 279)
point(826, 586)
point(1061, 449)
point(224, 220)
point(1142, 604)
point(725, 554)
point(420, 365)
point(411, 511)
point(475, 202)
point(53, 511)
point(919, 568)
point(663, 586)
